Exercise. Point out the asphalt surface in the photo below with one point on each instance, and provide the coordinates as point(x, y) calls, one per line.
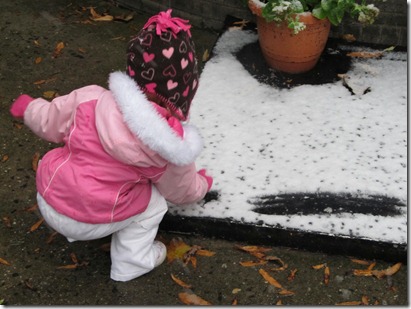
point(38, 267)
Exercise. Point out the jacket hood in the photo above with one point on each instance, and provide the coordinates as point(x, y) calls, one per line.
point(144, 122)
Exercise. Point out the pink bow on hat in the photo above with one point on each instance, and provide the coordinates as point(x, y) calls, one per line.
point(164, 21)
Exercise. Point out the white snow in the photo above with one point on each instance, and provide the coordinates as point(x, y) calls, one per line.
point(312, 138)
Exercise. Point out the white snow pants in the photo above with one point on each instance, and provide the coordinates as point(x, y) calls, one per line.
point(132, 253)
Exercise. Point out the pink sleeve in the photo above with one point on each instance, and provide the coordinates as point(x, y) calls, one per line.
point(50, 120)
point(182, 184)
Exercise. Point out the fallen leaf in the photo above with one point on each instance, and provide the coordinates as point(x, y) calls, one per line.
point(74, 258)
point(270, 279)
point(176, 249)
point(97, 17)
point(326, 275)
point(279, 303)
point(4, 158)
point(44, 81)
point(371, 266)
point(206, 56)
point(361, 262)
point(124, 17)
point(4, 262)
point(82, 50)
point(291, 277)
point(192, 299)
point(349, 303)
point(38, 60)
point(234, 302)
point(364, 54)
point(49, 95)
point(236, 290)
point(388, 49)
point(348, 37)
point(36, 225)
point(37, 43)
point(387, 272)
point(285, 292)
point(7, 221)
point(58, 49)
point(71, 266)
point(203, 252)
point(180, 282)
point(365, 300)
point(31, 208)
point(319, 266)
point(35, 161)
point(362, 272)
point(192, 260)
point(253, 248)
point(51, 237)
point(253, 263)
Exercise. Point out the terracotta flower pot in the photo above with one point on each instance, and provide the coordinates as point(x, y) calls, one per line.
point(288, 52)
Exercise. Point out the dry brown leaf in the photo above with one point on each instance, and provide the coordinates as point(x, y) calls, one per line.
point(236, 291)
point(348, 37)
point(192, 299)
point(50, 94)
point(270, 279)
point(36, 225)
point(203, 252)
point(180, 282)
point(361, 262)
point(365, 54)
point(285, 292)
point(371, 266)
point(31, 208)
point(253, 263)
point(387, 272)
point(37, 43)
point(97, 17)
point(51, 237)
point(362, 272)
point(74, 258)
point(124, 17)
point(176, 249)
point(326, 275)
point(319, 266)
point(35, 161)
point(349, 303)
point(291, 277)
point(234, 302)
point(4, 262)
point(253, 248)
point(206, 55)
point(4, 158)
point(82, 50)
point(58, 49)
point(6, 221)
point(71, 266)
point(279, 303)
point(38, 60)
point(193, 261)
point(44, 81)
point(365, 300)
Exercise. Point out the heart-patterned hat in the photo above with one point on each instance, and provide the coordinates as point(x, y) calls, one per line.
point(162, 61)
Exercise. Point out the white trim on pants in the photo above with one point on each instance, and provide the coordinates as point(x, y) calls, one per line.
point(132, 253)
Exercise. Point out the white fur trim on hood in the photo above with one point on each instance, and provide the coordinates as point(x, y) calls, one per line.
point(144, 121)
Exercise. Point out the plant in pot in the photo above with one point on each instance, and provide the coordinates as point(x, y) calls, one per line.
point(293, 33)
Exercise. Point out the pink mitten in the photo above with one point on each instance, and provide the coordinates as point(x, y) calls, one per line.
point(19, 106)
point(209, 179)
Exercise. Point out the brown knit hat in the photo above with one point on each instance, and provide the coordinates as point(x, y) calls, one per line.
point(162, 61)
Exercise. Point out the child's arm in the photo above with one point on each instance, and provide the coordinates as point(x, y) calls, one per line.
point(50, 120)
point(183, 184)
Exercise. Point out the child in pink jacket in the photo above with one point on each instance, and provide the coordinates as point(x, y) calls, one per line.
point(126, 150)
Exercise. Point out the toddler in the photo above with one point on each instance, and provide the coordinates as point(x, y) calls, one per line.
point(126, 150)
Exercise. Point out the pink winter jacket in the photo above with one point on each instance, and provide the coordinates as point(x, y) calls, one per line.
point(116, 145)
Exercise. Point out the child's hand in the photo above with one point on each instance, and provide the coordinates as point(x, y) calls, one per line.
point(209, 179)
point(19, 106)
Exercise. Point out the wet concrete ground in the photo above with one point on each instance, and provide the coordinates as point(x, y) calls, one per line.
point(30, 32)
